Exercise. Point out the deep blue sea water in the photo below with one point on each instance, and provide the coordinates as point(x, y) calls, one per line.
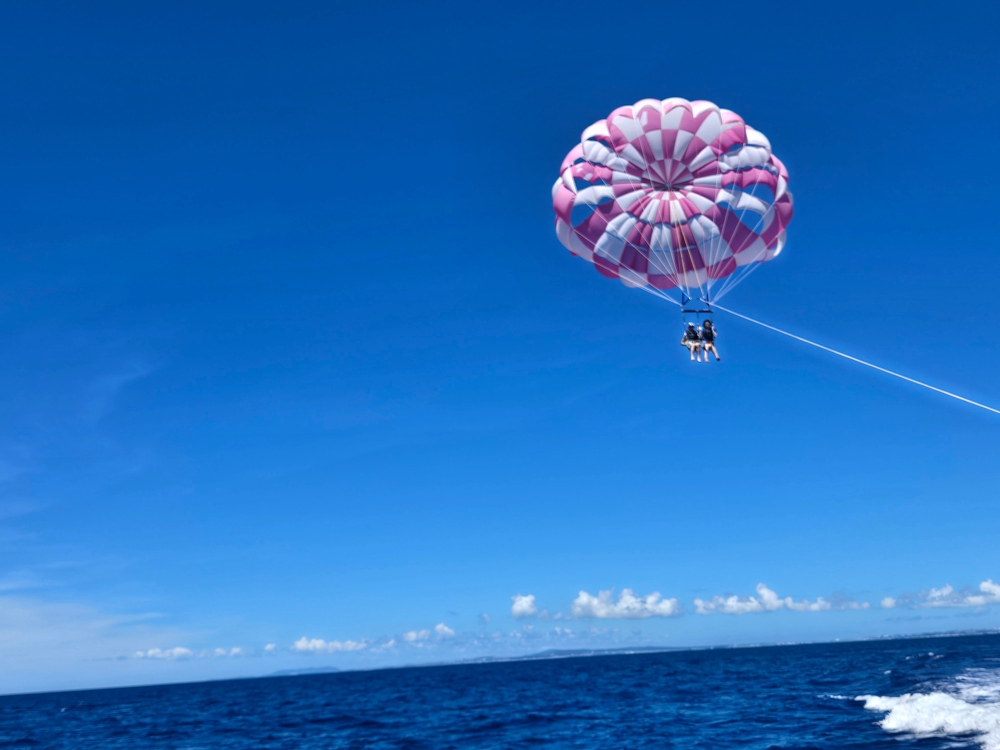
point(909, 693)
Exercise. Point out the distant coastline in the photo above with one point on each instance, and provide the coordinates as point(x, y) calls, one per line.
point(624, 651)
point(549, 654)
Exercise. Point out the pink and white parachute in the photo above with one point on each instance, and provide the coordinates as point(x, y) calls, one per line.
point(673, 193)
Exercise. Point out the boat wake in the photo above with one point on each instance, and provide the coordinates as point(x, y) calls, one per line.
point(966, 708)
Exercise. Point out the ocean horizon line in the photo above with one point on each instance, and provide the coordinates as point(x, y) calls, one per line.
point(546, 655)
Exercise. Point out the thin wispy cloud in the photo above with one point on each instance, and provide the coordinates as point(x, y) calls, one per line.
point(104, 390)
point(38, 633)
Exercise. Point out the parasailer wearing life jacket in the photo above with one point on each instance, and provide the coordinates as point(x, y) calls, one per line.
point(692, 340)
point(708, 334)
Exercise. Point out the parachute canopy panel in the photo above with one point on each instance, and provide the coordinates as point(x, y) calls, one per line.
point(673, 193)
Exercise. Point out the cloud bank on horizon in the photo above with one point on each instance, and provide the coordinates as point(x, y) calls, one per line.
point(947, 596)
point(603, 606)
point(630, 606)
point(768, 601)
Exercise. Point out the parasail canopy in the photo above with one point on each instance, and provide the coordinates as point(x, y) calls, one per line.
point(673, 194)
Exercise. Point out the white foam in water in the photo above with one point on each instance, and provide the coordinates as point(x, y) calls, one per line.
point(969, 708)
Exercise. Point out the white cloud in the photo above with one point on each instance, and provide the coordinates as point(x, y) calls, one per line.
point(941, 597)
point(416, 635)
point(318, 645)
point(160, 653)
point(946, 596)
point(990, 594)
point(270, 648)
point(523, 606)
point(444, 631)
point(484, 619)
point(768, 601)
point(628, 606)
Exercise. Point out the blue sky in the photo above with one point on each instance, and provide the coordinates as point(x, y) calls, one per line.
point(291, 350)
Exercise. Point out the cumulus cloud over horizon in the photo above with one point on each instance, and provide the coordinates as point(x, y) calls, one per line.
point(629, 606)
point(523, 606)
point(769, 601)
point(947, 596)
point(177, 652)
point(605, 605)
point(320, 646)
point(989, 593)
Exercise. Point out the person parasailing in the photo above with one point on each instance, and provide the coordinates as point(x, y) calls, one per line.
point(675, 195)
point(708, 334)
point(692, 340)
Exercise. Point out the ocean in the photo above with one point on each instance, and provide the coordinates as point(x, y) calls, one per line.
point(925, 693)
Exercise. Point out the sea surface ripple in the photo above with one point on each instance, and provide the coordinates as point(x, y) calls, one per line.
point(908, 693)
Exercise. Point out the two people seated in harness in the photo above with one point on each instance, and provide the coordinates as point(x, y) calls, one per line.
point(700, 340)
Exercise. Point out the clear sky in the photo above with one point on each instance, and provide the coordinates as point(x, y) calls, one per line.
point(290, 349)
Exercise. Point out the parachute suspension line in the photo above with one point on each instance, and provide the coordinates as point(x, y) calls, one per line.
point(649, 259)
point(659, 264)
point(661, 294)
point(648, 159)
point(648, 256)
point(704, 291)
point(861, 361)
point(730, 281)
point(735, 278)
